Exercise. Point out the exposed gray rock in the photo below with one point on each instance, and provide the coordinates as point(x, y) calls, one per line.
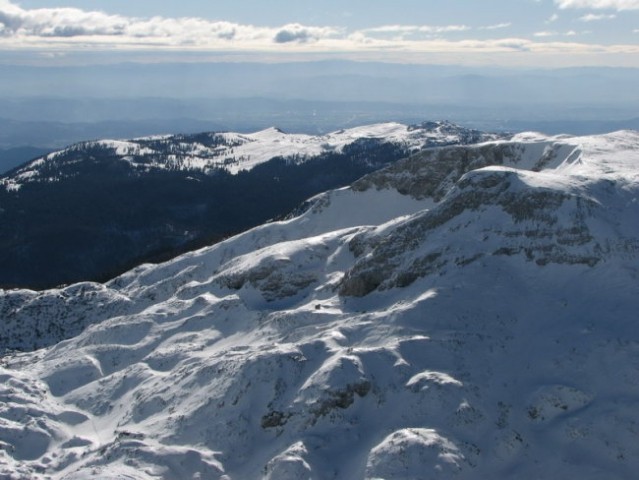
point(541, 224)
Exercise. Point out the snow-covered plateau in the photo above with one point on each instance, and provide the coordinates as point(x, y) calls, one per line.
point(468, 312)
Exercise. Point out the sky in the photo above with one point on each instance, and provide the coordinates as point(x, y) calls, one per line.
point(467, 32)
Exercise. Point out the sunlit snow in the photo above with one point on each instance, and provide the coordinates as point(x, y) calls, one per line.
point(485, 332)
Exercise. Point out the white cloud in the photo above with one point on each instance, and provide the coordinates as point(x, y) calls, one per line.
point(553, 18)
point(497, 26)
point(411, 29)
point(94, 27)
point(569, 33)
point(299, 33)
point(593, 17)
point(599, 4)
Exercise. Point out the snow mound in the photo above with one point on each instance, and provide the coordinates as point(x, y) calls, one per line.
point(414, 453)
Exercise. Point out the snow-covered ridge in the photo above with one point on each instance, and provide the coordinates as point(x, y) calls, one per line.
point(235, 152)
point(466, 313)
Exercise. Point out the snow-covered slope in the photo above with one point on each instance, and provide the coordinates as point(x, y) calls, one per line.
point(466, 313)
point(96, 209)
point(235, 152)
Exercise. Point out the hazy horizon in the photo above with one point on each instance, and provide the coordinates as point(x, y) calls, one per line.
point(74, 72)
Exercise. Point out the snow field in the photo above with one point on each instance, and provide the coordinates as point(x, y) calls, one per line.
point(490, 333)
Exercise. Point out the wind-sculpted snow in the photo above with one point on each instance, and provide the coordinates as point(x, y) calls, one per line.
point(32, 320)
point(482, 325)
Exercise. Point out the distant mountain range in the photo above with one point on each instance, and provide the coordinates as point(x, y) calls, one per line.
point(468, 312)
point(55, 123)
point(95, 209)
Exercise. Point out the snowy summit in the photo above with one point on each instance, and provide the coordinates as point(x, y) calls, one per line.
point(235, 152)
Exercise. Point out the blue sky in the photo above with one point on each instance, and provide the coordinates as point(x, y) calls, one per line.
point(492, 32)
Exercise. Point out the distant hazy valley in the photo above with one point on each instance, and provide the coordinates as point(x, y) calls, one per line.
point(52, 107)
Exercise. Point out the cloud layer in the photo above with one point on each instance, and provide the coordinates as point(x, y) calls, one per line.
point(74, 24)
point(62, 29)
point(599, 4)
